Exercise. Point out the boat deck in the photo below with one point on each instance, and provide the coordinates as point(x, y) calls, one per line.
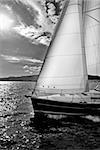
point(89, 97)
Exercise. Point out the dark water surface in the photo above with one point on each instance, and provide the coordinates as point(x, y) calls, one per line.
point(18, 131)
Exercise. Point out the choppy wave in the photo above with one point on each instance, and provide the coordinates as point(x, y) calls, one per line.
point(11, 94)
point(93, 118)
point(19, 131)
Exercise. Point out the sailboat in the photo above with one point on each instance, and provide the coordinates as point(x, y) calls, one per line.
point(62, 87)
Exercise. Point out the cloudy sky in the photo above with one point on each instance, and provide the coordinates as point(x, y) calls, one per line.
point(26, 28)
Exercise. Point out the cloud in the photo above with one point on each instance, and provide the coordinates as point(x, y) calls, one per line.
point(32, 69)
point(19, 59)
point(53, 9)
point(30, 3)
point(44, 15)
point(36, 31)
point(28, 65)
point(25, 67)
point(46, 20)
point(11, 59)
point(36, 36)
point(41, 17)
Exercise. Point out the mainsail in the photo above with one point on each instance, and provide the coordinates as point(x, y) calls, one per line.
point(92, 36)
point(65, 67)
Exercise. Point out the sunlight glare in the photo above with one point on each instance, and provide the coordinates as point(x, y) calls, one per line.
point(5, 22)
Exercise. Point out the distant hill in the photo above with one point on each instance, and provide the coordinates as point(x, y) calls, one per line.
point(22, 78)
point(34, 78)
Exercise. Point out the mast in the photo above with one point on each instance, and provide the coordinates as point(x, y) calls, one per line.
point(92, 36)
point(64, 69)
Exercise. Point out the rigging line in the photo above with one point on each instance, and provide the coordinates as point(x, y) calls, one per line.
point(91, 10)
point(75, 4)
point(85, 75)
point(94, 64)
point(93, 18)
point(93, 45)
point(70, 76)
point(65, 84)
point(66, 55)
point(91, 26)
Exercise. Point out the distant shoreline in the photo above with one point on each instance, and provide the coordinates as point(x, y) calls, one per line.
point(34, 78)
point(22, 78)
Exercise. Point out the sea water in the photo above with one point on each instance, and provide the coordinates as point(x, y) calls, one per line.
point(15, 113)
point(19, 132)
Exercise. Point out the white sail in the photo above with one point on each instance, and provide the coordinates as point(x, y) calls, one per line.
point(65, 69)
point(92, 36)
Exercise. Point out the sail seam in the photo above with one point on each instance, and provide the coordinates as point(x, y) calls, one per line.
point(94, 45)
point(90, 26)
point(67, 13)
point(54, 85)
point(58, 90)
point(64, 76)
point(75, 4)
point(94, 64)
point(69, 33)
point(66, 55)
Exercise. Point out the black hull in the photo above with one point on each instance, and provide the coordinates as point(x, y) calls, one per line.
point(64, 108)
